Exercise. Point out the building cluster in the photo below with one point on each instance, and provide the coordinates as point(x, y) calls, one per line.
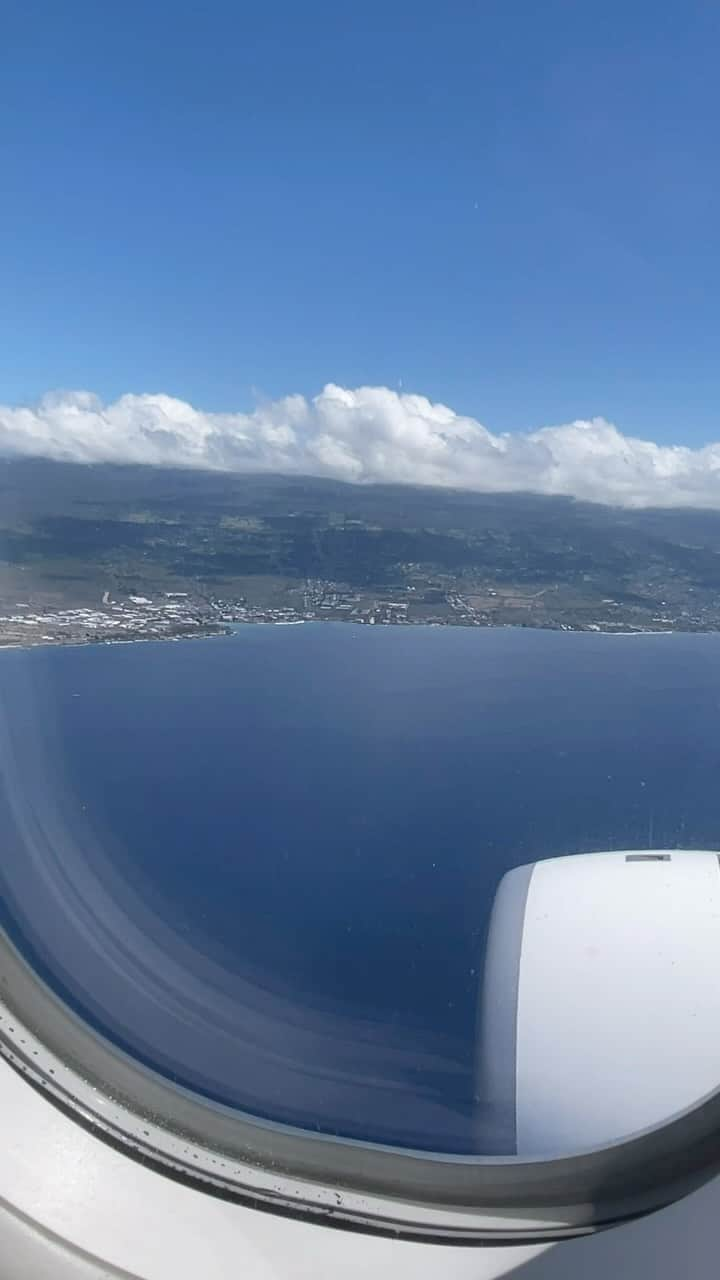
point(135, 618)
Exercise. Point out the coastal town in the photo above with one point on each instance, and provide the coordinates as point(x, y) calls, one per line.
point(173, 615)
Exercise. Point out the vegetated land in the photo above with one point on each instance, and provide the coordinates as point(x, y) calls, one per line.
point(117, 552)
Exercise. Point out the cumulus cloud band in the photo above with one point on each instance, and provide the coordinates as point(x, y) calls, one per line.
point(366, 435)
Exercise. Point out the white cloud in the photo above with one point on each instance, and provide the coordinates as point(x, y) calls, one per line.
point(369, 434)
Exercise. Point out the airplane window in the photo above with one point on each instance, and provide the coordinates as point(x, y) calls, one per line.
point(359, 676)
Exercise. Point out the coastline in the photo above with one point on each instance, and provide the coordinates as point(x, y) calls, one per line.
point(230, 629)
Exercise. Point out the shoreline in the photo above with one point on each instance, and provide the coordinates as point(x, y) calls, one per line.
point(230, 629)
point(115, 642)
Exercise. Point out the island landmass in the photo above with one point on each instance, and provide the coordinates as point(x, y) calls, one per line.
point(114, 553)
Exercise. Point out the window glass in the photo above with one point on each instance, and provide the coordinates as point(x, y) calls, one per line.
point(376, 560)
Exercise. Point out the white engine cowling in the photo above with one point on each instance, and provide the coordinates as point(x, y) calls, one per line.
point(600, 1010)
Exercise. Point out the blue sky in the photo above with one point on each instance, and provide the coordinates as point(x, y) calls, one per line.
point(508, 206)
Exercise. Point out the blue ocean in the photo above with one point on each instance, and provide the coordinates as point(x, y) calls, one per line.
point(263, 863)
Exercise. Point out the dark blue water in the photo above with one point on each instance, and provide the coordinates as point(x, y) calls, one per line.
point(264, 864)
